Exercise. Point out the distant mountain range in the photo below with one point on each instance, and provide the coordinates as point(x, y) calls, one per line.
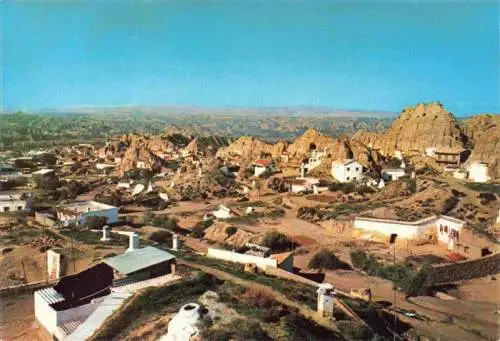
point(169, 110)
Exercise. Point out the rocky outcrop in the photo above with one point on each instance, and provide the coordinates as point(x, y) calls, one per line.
point(135, 155)
point(311, 139)
point(483, 135)
point(417, 128)
point(249, 148)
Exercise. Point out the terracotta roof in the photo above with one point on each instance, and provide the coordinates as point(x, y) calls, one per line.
point(262, 162)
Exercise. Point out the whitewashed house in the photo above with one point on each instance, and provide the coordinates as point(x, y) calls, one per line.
point(224, 212)
point(15, 201)
point(78, 212)
point(346, 171)
point(447, 228)
point(392, 174)
point(300, 185)
point(478, 172)
point(262, 165)
point(398, 154)
point(314, 160)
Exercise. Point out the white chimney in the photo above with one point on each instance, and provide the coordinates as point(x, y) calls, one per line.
point(175, 242)
point(105, 233)
point(133, 242)
point(326, 297)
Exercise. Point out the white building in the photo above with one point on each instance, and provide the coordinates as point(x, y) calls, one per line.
point(478, 172)
point(261, 166)
point(392, 174)
point(223, 212)
point(15, 202)
point(78, 212)
point(300, 185)
point(459, 174)
point(346, 171)
point(314, 160)
point(447, 228)
point(43, 172)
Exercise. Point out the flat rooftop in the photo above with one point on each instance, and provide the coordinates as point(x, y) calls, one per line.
point(86, 206)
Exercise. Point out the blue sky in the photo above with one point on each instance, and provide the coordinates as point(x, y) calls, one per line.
point(369, 55)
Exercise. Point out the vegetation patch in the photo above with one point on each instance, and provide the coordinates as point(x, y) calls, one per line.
point(89, 237)
point(277, 241)
point(402, 275)
point(483, 187)
point(326, 260)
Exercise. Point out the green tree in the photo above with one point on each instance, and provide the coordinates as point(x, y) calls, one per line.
point(277, 242)
point(325, 259)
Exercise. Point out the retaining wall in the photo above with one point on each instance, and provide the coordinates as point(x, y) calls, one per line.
point(481, 267)
point(242, 258)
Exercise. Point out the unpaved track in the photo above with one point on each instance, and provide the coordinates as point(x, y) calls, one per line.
point(309, 313)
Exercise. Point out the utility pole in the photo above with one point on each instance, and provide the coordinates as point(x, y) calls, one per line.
point(73, 253)
point(24, 272)
point(395, 296)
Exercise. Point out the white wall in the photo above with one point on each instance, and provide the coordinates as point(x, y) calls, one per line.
point(222, 213)
point(13, 205)
point(110, 213)
point(443, 236)
point(258, 170)
point(478, 172)
point(405, 230)
point(347, 173)
point(45, 314)
point(50, 319)
point(235, 257)
point(389, 175)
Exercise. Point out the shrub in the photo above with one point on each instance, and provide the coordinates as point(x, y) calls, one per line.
point(351, 330)
point(402, 275)
point(325, 259)
point(230, 230)
point(95, 222)
point(198, 231)
point(6, 250)
point(450, 204)
point(277, 242)
point(162, 237)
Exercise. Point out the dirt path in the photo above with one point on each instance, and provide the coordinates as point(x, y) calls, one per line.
point(309, 313)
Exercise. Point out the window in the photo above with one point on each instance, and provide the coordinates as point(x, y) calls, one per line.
point(354, 178)
point(357, 169)
point(6, 209)
point(347, 178)
point(348, 169)
point(441, 228)
point(446, 229)
point(19, 208)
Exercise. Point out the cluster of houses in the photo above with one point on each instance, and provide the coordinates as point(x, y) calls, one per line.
point(78, 304)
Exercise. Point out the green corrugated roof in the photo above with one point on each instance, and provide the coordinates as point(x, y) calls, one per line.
point(138, 259)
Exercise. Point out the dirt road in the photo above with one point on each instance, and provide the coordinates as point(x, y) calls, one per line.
point(307, 312)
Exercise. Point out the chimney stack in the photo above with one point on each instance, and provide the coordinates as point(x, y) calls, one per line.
point(105, 233)
point(133, 242)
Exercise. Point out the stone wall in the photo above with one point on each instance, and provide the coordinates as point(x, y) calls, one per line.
point(481, 267)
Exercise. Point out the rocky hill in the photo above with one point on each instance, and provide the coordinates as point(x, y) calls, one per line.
point(311, 139)
point(417, 128)
point(248, 148)
point(483, 136)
